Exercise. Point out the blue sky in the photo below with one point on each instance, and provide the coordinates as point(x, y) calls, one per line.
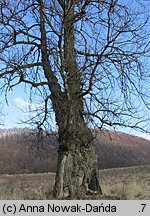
point(17, 99)
point(17, 107)
point(20, 106)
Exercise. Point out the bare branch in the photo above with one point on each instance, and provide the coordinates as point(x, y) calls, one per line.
point(16, 68)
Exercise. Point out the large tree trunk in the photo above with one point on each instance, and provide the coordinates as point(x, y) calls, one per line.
point(76, 173)
point(76, 169)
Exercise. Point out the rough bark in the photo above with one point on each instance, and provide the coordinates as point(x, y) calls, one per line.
point(76, 168)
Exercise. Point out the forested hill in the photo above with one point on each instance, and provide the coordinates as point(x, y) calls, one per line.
point(22, 151)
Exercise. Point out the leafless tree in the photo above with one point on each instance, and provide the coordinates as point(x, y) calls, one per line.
point(86, 59)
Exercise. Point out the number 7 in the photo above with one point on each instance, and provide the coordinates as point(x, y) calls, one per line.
point(143, 207)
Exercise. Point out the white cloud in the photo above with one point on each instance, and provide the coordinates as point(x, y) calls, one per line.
point(22, 103)
point(27, 104)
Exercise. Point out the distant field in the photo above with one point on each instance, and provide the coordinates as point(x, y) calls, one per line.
point(117, 183)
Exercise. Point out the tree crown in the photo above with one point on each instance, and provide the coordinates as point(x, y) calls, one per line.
point(94, 50)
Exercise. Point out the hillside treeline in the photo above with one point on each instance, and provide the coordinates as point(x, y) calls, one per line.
point(23, 151)
point(26, 151)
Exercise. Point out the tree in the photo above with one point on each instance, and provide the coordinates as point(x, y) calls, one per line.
point(84, 58)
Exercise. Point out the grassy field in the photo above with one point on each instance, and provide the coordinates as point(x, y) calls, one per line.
point(118, 183)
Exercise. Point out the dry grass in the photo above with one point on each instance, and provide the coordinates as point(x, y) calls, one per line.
point(126, 183)
point(119, 183)
point(26, 186)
